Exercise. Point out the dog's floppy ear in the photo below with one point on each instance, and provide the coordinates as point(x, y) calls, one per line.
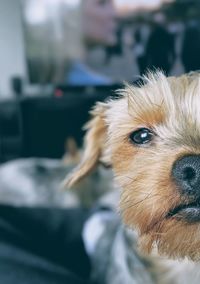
point(94, 145)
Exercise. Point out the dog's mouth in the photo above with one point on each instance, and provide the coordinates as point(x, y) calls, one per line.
point(187, 212)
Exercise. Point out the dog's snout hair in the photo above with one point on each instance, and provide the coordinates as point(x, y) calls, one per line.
point(166, 111)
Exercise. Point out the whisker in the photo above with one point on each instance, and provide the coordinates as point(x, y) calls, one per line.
point(139, 202)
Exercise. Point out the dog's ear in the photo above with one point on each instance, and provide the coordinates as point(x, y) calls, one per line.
point(94, 145)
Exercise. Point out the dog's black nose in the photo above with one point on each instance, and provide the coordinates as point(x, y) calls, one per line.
point(186, 172)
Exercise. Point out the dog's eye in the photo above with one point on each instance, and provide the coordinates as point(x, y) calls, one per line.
point(141, 136)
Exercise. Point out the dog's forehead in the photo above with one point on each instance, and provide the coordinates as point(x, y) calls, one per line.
point(181, 109)
point(170, 105)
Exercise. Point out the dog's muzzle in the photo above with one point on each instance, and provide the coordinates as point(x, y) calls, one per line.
point(186, 174)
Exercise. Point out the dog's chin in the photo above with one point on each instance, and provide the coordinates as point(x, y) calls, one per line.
point(175, 240)
point(177, 236)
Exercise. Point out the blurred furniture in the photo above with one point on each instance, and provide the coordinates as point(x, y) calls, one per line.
point(11, 132)
point(38, 126)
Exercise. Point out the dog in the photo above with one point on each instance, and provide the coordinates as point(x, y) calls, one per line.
point(150, 136)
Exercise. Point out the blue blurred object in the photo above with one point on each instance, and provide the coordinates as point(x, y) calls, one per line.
point(81, 75)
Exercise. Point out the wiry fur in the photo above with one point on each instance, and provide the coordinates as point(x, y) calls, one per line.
point(171, 108)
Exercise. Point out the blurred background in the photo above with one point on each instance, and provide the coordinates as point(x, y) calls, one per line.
point(57, 58)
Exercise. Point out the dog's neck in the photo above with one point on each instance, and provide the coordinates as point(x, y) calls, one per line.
point(183, 271)
point(177, 271)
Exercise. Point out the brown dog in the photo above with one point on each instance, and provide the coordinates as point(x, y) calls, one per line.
point(150, 136)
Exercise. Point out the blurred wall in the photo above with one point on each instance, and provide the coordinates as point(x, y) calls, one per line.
point(12, 53)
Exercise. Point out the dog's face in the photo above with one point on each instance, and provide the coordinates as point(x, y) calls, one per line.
point(151, 138)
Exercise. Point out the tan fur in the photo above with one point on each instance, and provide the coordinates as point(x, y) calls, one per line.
point(171, 108)
point(94, 145)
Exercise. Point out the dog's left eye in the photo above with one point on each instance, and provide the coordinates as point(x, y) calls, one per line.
point(141, 136)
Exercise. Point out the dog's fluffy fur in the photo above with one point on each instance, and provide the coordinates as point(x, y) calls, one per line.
point(171, 108)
